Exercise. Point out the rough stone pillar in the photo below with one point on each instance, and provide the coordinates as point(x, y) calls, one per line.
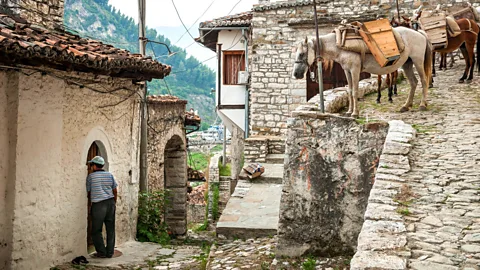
point(329, 167)
point(236, 151)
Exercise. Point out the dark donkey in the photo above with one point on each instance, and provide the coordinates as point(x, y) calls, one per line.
point(392, 78)
point(466, 42)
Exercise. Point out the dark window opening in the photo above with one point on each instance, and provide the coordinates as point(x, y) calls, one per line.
point(331, 79)
point(233, 62)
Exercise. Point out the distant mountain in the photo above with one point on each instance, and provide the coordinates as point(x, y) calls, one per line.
point(190, 79)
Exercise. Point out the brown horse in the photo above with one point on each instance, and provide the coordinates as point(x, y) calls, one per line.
point(466, 42)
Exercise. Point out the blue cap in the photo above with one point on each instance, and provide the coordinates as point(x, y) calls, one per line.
point(97, 160)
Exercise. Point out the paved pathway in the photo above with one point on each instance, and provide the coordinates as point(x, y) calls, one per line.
point(253, 209)
point(443, 219)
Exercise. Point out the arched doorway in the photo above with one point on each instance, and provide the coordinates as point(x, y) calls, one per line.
point(175, 181)
point(96, 149)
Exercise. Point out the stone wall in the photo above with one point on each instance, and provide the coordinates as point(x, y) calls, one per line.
point(383, 234)
point(329, 169)
point(258, 147)
point(213, 181)
point(8, 101)
point(48, 13)
point(165, 120)
point(224, 188)
point(236, 151)
point(276, 29)
point(54, 124)
point(167, 157)
point(196, 213)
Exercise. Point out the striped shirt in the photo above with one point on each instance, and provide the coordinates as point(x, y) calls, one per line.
point(100, 184)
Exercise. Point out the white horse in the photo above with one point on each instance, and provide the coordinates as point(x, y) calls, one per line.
point(417, 52)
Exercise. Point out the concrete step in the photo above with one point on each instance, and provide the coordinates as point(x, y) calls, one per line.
point(252, 211)
point(275, 158)
point(273, 174)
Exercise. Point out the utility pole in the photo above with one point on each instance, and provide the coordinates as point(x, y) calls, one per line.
point(144, 113)
point(398, 13)
point(224, 158)
point(319, 62)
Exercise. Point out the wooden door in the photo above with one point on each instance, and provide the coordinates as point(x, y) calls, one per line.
point(331, 79)
point(92, 152)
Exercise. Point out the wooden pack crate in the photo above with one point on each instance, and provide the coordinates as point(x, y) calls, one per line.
point(435, 26)
point(464, 13)
point(378, 36)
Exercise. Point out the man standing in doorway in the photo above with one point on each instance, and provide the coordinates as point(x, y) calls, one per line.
point(102, 194)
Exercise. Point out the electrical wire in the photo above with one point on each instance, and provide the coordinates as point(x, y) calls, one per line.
point(194, 23)
point(181, 71)
point(213, 27)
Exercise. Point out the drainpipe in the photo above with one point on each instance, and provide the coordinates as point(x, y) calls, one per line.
point(219, 75)
point(247, 93)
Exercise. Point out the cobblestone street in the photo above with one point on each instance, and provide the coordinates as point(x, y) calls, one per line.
point(441, 209)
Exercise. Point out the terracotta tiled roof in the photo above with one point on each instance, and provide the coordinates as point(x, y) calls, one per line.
point(237, 20)
point(27, 44)
point(165, 99)
point(283, 4)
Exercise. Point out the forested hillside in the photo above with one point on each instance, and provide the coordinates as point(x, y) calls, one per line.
point(190, 79)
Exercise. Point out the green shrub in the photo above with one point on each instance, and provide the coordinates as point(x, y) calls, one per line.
point(309, 264)
point(217, 148)
point(198, 161)
point(225, 170)
point(151, 225)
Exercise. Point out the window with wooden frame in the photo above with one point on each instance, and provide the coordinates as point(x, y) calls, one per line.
point(233, 62)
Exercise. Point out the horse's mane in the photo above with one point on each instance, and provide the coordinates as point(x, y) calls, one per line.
point(328, 64)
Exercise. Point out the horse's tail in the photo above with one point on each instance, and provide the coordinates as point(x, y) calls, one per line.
point(428, 60)
point(478, 52)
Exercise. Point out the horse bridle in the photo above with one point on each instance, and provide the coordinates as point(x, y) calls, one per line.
point(310, 71)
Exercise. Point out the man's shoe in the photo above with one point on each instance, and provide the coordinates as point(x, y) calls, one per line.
point(98, 255)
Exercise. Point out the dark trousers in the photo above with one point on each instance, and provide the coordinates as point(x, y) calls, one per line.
point(103, 212)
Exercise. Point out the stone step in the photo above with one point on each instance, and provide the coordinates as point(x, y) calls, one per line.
point(273, 174)
point(275, 158)
point(254, 213)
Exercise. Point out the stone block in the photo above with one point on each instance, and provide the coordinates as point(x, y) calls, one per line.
point(396, 148)
point(377, 260)
point(377, 211)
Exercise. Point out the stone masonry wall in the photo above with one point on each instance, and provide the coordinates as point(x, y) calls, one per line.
point(236, 151)
point(329, 168)
point(276, 30)
point(48, 13)
point(383, 235)
point(165, 121)
point(213, 181)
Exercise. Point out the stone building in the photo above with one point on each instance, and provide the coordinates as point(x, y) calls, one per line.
point(269, 33)
point(63, 100)
point(167, 157)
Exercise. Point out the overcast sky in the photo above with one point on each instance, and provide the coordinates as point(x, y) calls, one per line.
point(162, 14)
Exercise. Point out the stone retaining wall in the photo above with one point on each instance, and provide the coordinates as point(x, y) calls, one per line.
point(329, 168)
point(213, 180)
point(258, 147)
point(382, 240)
point(196, 213)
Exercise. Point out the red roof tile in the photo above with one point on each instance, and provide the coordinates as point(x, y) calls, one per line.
point(165, 99)
point(236, 20)
point(27, 44)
